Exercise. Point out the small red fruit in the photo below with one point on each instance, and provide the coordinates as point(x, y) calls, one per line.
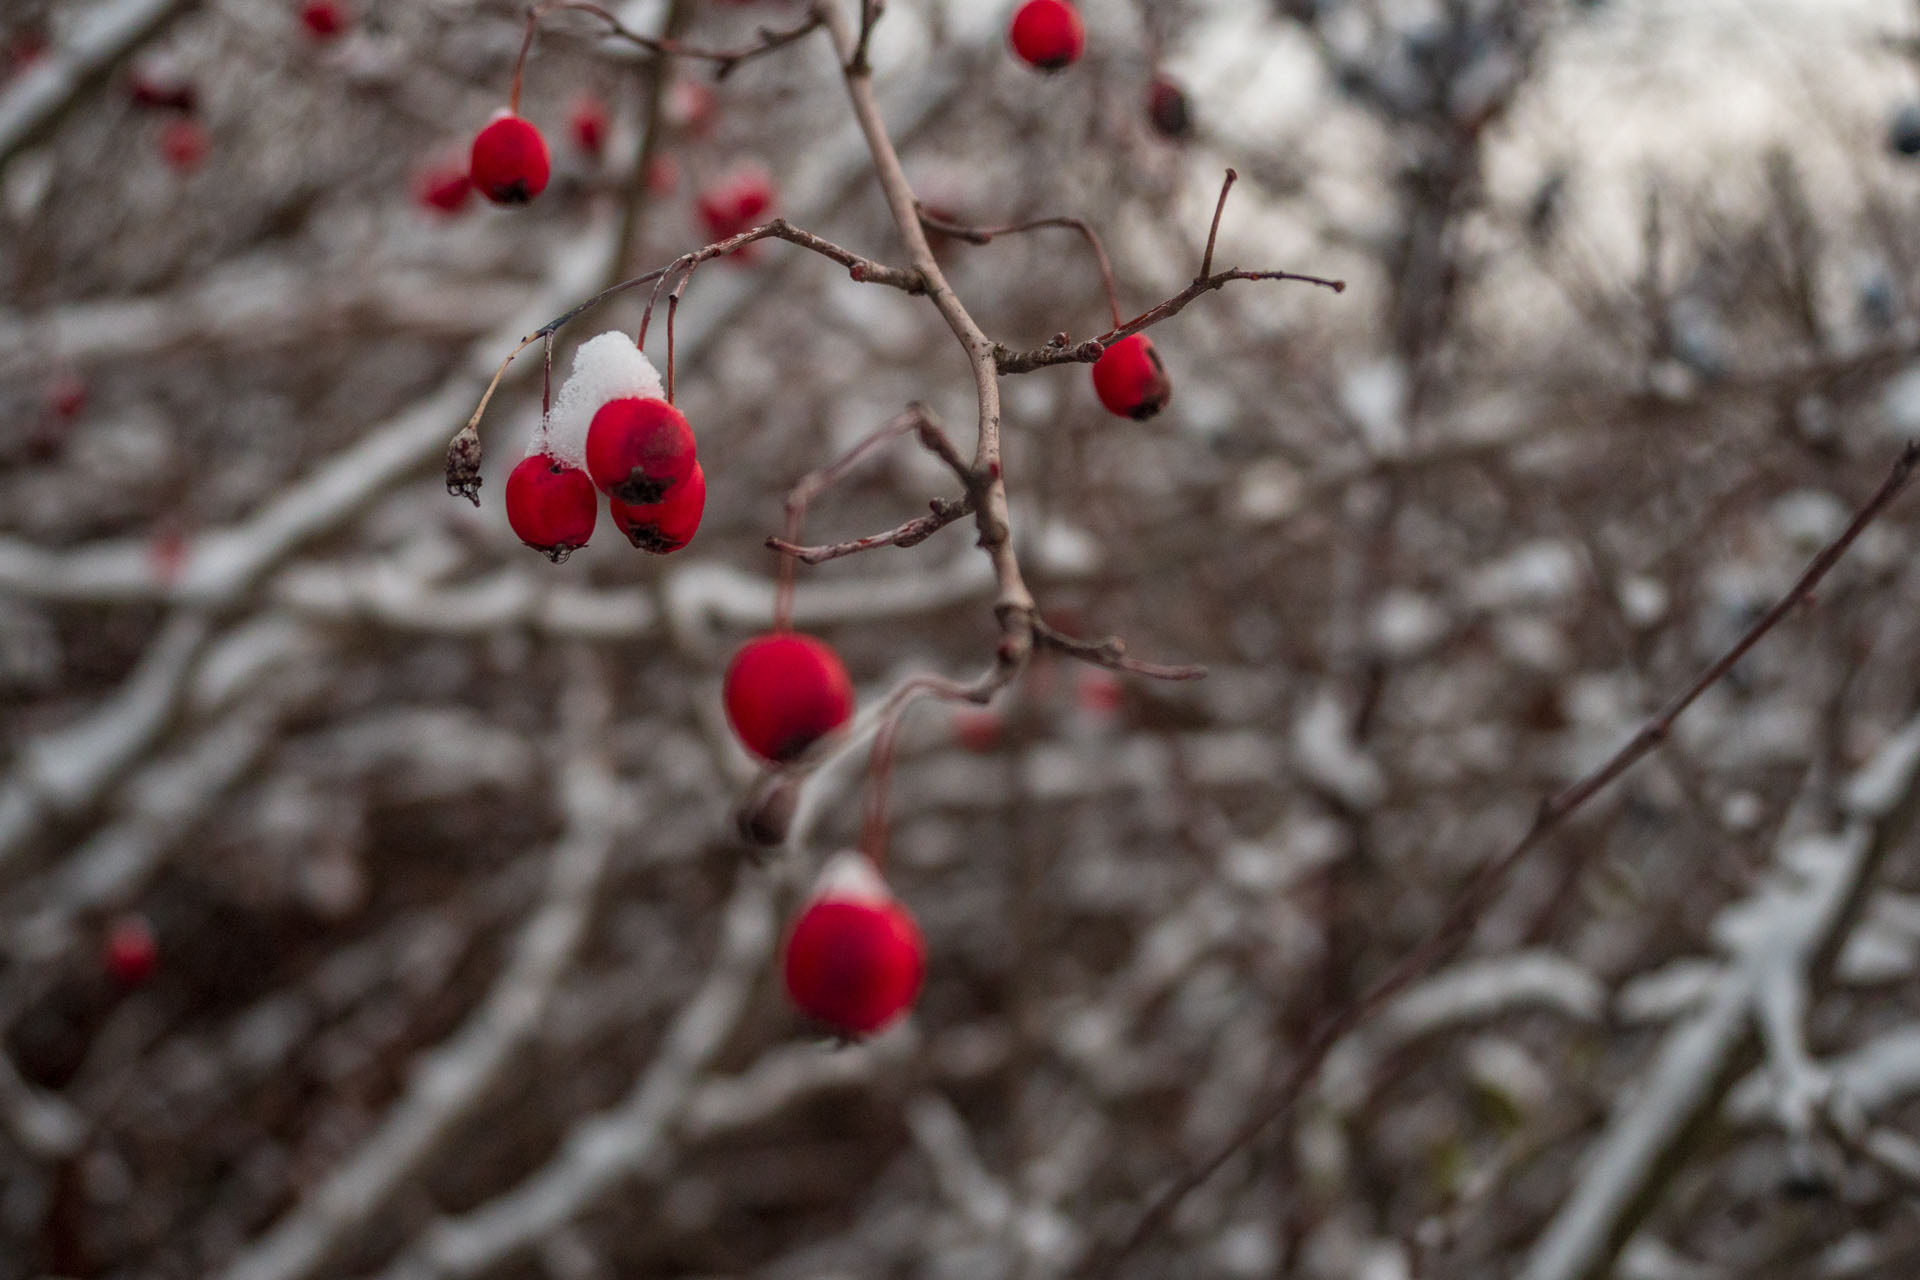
point(663, 175)
point(161, 94)
point(184, 145)
point(509, 164)
point(1048, 34)
point(735, 204)
point(325, 19)
point(855, 958)
point(639, 450)
point(692, 107)
point(1130, 379)
point(443, 188)
point(1168, 110)
point(587, 125)
point(67, 397)
point(551, 505)
point(1101, 694)
point(784, 692)
point(132, 954)
point(666, 525)
point(977, 728)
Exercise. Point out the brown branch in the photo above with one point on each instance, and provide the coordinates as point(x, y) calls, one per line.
point(1110, 653)
point(1457, 925)
point(909, 533)
point(1213, 232)
point(985, 235)
point(725, 60)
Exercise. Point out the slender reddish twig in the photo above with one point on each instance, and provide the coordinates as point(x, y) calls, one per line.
point(724, 60)
point(1213, 232)
point(1457, 925)
point(985, 235)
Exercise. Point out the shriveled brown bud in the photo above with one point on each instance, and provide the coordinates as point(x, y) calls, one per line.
point(766, 815)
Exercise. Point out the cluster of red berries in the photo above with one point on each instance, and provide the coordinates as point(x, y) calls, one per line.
point(640, 453)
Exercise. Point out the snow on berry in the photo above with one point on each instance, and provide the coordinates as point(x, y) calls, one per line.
point(605, 368)
point(855, 957)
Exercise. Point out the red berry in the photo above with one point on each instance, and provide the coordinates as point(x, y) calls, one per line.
point(735, 204)
point(1168, 110)
point(855, 958)
point(1130, 379)
point(509, 163)
point(325, 19)
point(587, 124)
point(663, 175)
point(67, 397)
point(132, 955)
point(23, 50)
point(977, 728)
point(784, 692)
point(551, 505)
point(1101, 694)
point(184, 145)
point(639, 450)
point(669, 524)
point(691, 107)
point(443, 188)
point(1047, 34)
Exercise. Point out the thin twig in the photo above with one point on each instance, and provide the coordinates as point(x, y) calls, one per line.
point(1457, 925)
point(985, 235)
point(1110, 653)
point(1213, 232)
point(724, 60)
point(908, 533)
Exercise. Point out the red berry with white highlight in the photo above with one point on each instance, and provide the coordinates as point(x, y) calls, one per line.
point(551, 506)
point(639, 450)
point(666, 525)
point(132, 954)
point(1048, 34)
point(509, 164)
point(184, 145)
point(784, 692)
point(1130, 380)
point(855, 958)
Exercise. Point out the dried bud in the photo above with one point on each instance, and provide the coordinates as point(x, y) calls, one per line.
point(766, 815)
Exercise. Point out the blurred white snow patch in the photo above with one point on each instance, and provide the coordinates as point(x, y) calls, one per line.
point(1325, 751)
point(606, 367)
point(1538, 573)
point(1269, 490)
point(1648, 1258)
point(1876, 789)
point(1067, 549)
point(1900, 404)
point(1809, 519)
point(1406, 624)
point(1204, 409)
point(1742, 811)
point(1670, 991)
point(1533, 643)
point(1503, 1068)
point(1301, 844)
point(1248, 1249)
point(1375, 397)
point(1643, 600)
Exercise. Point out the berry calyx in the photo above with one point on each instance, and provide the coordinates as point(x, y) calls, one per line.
point(666, 525)
point(638, 450)
point(855, 958)
point(550, 505)
point(587, 125)
point(1130, 380)
point(184, 145)
point(443, 188)
point(1047, 34)
point(131, 954)
point(1169, 111)
point(325, 19)
point(784, 692)
point(509, 164)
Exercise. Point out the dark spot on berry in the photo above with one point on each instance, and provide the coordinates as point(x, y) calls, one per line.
point(514, 192)
point(641, 490)
point(648, 537)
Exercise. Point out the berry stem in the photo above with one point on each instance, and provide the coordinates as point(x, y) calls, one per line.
point(1213, 232)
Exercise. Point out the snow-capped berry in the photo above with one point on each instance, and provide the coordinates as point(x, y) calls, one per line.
point(184, 145)
point(443, 188)
point(666, 525)
point(855, 958)
point(587, 124)
point(550, 505)
point(1130, 379)
point(509, 164)
point(735, 204)
point(1047, 34)
point(131, 953)
point(1168, 110)
point(325, 19)
point(784, 692)
point(639, 450)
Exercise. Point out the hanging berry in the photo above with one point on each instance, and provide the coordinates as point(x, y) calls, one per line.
point(666, 525)
point(1130, 380)
point(132, 955)
point(550, 505)
point(1047, 34)
point(855, 958)
point(784, 692)
point(639, 449)
point(509, 164)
